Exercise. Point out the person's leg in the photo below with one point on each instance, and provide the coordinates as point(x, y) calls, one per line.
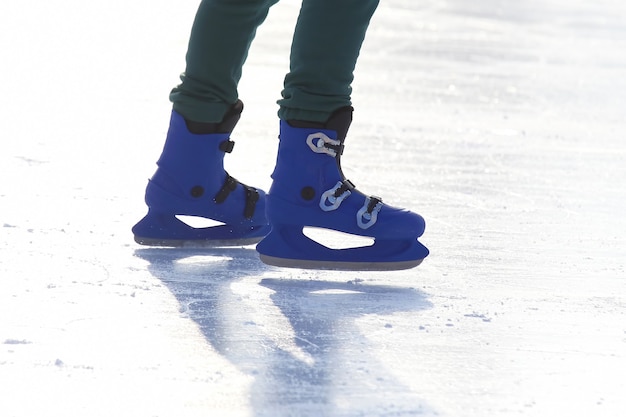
point(190, 179)
point(218, 47)
point(309, 188)
point(324, 52)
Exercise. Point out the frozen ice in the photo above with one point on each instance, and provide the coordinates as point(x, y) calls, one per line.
point(501, 122)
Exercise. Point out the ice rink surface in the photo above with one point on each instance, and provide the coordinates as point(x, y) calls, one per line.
point(501, 122)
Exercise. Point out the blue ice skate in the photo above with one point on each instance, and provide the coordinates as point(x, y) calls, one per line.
point(310, 190)
point(191, 181)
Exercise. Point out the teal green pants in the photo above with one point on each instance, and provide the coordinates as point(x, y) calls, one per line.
point(326, 44)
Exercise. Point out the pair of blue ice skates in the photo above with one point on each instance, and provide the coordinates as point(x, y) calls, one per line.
point(309, 190)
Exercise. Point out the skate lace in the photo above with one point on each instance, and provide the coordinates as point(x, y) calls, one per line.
point(230, 185)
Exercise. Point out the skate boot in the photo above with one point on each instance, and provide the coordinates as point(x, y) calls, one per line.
point(191, 181)
point(310, 190)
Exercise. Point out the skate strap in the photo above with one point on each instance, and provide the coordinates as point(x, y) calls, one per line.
point(372, 203)
point(227, 146)
point(346, 186)
point(335, 149)
point(252, 197)
point(368, 214)
point(331, 199)
point(230, 185)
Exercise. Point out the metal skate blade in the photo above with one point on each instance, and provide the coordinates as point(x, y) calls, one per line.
point(199, 244)
point(339, 266)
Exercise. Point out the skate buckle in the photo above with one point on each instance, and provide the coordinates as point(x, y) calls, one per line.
point(368, 214)
point(323, 144)
point(332, 198)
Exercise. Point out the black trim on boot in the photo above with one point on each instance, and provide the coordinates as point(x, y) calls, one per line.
point(227, 124)
point(339, 121)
